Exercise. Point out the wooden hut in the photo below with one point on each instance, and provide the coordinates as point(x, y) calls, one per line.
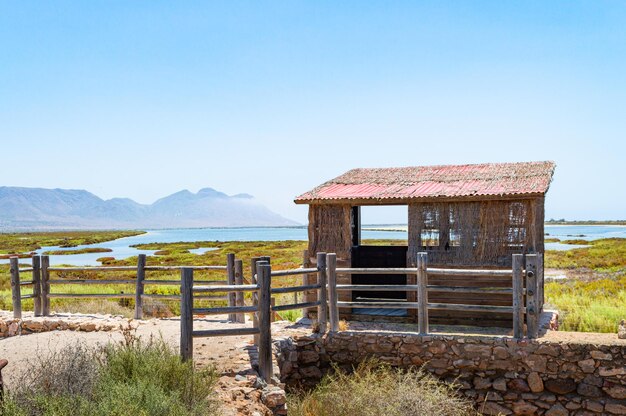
point(463, 215)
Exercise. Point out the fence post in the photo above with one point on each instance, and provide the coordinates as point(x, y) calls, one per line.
point(518, 299)
point(322, 316)
point(186, 313)
point(532, 324)
point(422, 293)
point(306, 280)
point(264, 272)
point(255, 296)
point(230, 270)
point(45, 285)
point(37, 285)
point(333, 310)
point(540, 283)
point(16, 293)
point(241, 317)
point(139, 289)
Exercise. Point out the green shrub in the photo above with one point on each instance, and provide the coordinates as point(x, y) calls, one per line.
point(130, 378)
point(375, 389)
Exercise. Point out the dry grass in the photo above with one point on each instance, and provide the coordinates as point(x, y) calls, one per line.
point(374, 389)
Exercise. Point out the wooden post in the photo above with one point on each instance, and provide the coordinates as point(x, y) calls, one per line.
point(264, 271)
point(255, 296)
point(16, 293)
point(230, 269)
point(37, 285)
point(518, 299)
point(532, 324)
point(139, 288)
point(331, 272)
point(540, 283)
point(45, 285)
point(241, 317)
point(322, 317)
point(306, 279)
point(186, 313)
point(422, 293)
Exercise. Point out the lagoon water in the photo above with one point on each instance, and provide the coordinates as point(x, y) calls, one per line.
point(122, 247)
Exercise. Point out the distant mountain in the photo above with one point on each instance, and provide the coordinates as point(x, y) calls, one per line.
point(38, 208)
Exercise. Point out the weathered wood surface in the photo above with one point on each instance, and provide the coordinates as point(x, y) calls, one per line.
point(322, 294)
point(45, 285)
point(92, 295)
point(294, 272)
point(381, 305)
point(255, 296)
point(422, 293)
point(139, 286)
point(264, 271)
point(532, 306)
point(37, 304)
point(518, 303)
point(16, 295)
point(239, 300)
point(230, 271)
point(333, 309)
point(295, 306)
point(225, 332)
point(291, 289)
point(225, 310)
point(186, 314)
point(225, 288)
point(93, 281)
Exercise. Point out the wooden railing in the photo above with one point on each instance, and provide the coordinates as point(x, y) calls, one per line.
point(43, 280)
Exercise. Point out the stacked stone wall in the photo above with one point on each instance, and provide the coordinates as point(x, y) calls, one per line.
point(501, 375)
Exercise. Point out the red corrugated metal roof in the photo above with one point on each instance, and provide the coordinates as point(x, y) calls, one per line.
point(451, 181)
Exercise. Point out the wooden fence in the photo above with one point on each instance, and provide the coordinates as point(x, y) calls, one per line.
point(526, 290)
point(43, 282)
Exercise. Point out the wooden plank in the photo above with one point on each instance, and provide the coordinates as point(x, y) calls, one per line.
point(294, 289)
point(432, 271)
point(540, 283)
point(92, 269)
point(382, 305)
point(465, 290)
point(27, 282)
point(239, 301)
point(92, 295)
point(45, 285)
point(16, 295)
point(177, 282)
point(224, 309)
point(37, 285)
point(188, 267)
point(295, 306)
point(422, 293)
point(333, 310)
point(322, 294)
point(230, 271)
point(264, 272)
point(518, 302)
point(376, 270)
point(532, 321)
point(225, 332)
point(255, 296)
point(139, 285)
point(472, 308)
point(306, 281)
point(378, 288)
point(294, 272)
point(186, 315)
point(92, 281)
point(27, 269)
point(225, 288)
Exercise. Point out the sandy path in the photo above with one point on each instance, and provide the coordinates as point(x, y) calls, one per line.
point(228, 354)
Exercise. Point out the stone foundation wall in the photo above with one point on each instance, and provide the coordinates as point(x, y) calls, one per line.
point(501, 375)
point(29, 324)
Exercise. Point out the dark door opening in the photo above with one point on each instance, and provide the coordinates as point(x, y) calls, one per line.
point(379, 256)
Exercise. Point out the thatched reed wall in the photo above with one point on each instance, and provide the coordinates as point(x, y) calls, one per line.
point(329, 230)
point(480, 233)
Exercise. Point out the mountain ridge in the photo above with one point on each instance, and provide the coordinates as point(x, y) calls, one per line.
point(24, 208)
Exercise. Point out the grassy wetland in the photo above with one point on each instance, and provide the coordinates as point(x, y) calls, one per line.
point(591, 299)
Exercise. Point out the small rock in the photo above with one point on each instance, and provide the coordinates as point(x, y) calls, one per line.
point(519, 385)
point(557, 410)
point(535, 382)
point(616, 392)
point(621, 331)
point(524, 408)
point(588, 390)
point(499, 384)
point(492, 408)
point(588, 366)
point(560, 386)
point(615, 408)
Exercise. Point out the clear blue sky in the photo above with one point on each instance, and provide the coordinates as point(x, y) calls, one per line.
point(141, 99)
